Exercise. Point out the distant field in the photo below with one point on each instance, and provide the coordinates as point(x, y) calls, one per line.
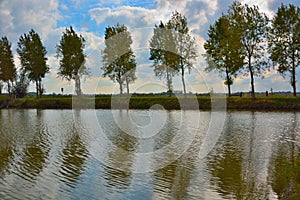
point(203, 102)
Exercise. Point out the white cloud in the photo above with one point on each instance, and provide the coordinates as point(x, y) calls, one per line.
point(264, 6)
point(18, 17)
point(6, 18)
point(133, 17)
point(21, 16)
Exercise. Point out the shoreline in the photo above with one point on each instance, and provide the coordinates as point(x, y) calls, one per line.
point(275, 103)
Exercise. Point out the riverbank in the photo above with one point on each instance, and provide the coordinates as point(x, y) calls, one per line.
point(203, 102)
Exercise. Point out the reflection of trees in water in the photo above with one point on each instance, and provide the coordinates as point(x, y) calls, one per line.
point(36, 153)
point(226, 165)
point(24, 142)
point(117, 136)
point(6, 156)
point(74, 153)
point(257, 157)
point(7, 145)
point(242, 163)
point(174, 179)
point(168, 132)
point(121, 156)
point(287, 160)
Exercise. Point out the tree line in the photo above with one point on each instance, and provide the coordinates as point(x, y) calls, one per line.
point(244, 41)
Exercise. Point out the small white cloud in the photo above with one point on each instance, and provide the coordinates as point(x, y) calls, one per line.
point(263, 6)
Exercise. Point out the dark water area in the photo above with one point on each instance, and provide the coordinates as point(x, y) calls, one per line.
point(156, 154)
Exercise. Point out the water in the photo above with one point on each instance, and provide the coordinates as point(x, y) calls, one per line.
point(104, 154)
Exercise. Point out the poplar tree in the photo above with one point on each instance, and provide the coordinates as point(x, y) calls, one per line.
point(8, 70)
point(253, 26)
point(284, 41)
point(223, 50)
point(118, 59)
point(33, 58)
point(72, 58)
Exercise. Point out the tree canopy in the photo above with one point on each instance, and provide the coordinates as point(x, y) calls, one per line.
point(284, 45)
point(253, 26)
point(172, 49)
point(118, 58)
point(224, 50)
point(184, 44)
point(33, 58)
point(8, 70)
point(72, 58)
point(163, 54)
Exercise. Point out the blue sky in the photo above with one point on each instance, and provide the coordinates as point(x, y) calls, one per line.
point(90, 17)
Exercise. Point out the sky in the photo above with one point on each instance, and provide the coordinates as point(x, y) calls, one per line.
point(90, 17)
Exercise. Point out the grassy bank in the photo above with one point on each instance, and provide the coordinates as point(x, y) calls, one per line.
point(271, 103)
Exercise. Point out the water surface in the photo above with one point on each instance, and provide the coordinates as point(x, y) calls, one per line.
point(87, 154)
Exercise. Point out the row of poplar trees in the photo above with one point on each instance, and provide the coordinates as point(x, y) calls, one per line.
point(32, 55)
point(172, 50)
point(245, 41)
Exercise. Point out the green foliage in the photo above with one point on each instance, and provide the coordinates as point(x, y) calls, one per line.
point(70, 50)
point(172, 49)
point(7, 67)
point(253, 26)
point(163, 54)
point(184, 44)
point(21, 86)
point(285, 41)
point(224, 50)
point(118, 59)
point(33, 58)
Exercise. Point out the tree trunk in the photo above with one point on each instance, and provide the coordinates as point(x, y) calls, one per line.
point(121, 87)
point(228, 82)
point(40, 89)
point(12, 86)
point(182, 78)
point(252, 85)
point(169, 83)
point(37, 88)
point(252, 79)
point(8, 88)
point(77, 86)
point(127, 85)
point(293, 80)
point(229, 90)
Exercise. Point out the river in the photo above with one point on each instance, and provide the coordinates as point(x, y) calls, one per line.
point(140, 154)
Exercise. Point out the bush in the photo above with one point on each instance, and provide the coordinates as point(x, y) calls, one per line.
point(20, 89)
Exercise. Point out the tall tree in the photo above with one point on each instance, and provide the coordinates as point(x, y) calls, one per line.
point(223, 50)
point(130, 76)
point(8, 70)
point(163, 53)
point(254, 27)
point(284, 43)
point(33, 58)
point(118, 59)
point(184, 44)
point(72, 58)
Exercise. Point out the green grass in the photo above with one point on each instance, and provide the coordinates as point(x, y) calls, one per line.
point(3, 97)
point(264, 103)
point(277, 103)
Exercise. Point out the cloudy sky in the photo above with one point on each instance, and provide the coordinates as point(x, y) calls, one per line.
point(90, 17)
